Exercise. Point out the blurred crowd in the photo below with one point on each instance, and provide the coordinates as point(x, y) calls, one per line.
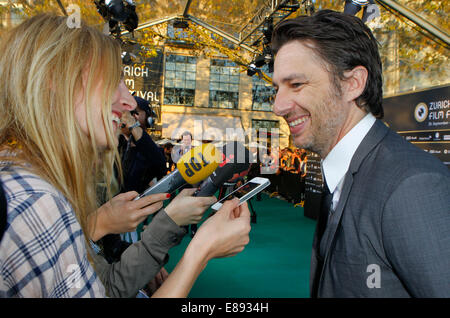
point(285, 168)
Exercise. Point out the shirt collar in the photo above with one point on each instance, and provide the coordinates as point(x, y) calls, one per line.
point(336, 163)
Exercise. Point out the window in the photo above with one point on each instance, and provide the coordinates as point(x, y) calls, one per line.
point(179, 87)
point(265, 124)
point(176, 33)
point(263, 93)
point(224, 84)
point(268, 132)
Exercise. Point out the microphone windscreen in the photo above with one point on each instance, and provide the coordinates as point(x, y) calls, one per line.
point(199, 162)
point(235, 163)
point(235, 160)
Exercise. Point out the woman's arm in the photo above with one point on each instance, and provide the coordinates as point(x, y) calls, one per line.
point(141, 261)
point(224, 234)
point(121, 214)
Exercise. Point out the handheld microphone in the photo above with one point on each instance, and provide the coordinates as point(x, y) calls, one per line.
point(194, 166)
point(235, 163)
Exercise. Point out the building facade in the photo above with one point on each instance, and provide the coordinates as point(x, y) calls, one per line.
point(213, 98)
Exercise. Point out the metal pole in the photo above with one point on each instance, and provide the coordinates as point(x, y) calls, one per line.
point(186, 8)
point(273, 10)
point(221, 33)
point(152, 23)
point(199, 22)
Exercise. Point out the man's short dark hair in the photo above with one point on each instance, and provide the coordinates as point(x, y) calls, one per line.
point(343, 41)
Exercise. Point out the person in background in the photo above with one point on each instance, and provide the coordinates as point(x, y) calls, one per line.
point(185, 146)
point(177, 152)
point(384, 225)
point(303, 163)
point(51, 172)
point(170, 165)
point(142, 159)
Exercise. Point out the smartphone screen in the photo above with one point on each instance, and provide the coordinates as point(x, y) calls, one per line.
point(243, 190)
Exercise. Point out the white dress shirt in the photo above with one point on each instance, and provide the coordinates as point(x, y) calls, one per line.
point(336, 163)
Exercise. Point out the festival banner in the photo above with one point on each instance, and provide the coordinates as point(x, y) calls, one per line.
point(422, 118)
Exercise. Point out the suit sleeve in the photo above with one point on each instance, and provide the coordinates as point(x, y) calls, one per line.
point(141, 261)
point(416, 234)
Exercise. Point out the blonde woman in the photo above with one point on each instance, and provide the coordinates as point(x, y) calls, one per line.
point(61, 98)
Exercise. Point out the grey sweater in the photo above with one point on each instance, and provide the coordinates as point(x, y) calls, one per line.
point(141, 261)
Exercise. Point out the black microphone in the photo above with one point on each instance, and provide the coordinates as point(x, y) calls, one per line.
point(235, 163)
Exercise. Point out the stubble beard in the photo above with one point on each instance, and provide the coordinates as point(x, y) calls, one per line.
point(325, 124)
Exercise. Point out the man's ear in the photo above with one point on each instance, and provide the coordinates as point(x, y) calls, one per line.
point(354, 83)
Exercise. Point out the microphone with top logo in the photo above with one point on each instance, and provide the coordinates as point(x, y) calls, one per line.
point(193, 167)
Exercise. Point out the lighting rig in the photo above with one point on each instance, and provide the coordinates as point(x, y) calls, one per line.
point(260, 28)
point(266, 57)
point(118, 14)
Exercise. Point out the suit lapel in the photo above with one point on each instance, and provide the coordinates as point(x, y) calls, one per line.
point(370, 141)
point(348, 183)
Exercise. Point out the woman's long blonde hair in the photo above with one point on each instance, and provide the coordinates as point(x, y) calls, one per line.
point(43, 64)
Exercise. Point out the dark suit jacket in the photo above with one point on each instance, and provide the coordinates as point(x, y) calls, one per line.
point(142, 163)
point(390, 233)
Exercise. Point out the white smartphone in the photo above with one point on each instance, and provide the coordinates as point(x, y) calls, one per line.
point(244, 192)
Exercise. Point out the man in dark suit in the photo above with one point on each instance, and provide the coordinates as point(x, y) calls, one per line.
point(386, 229)
point(142, 159)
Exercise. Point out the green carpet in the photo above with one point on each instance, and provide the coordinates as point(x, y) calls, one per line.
point(275, 264)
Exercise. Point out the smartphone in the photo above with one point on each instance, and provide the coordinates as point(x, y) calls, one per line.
point(244, 192)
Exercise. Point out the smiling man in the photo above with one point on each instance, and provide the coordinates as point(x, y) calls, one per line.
point(386, 230)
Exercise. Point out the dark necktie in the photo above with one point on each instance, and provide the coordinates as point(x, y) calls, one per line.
point(325, 206)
